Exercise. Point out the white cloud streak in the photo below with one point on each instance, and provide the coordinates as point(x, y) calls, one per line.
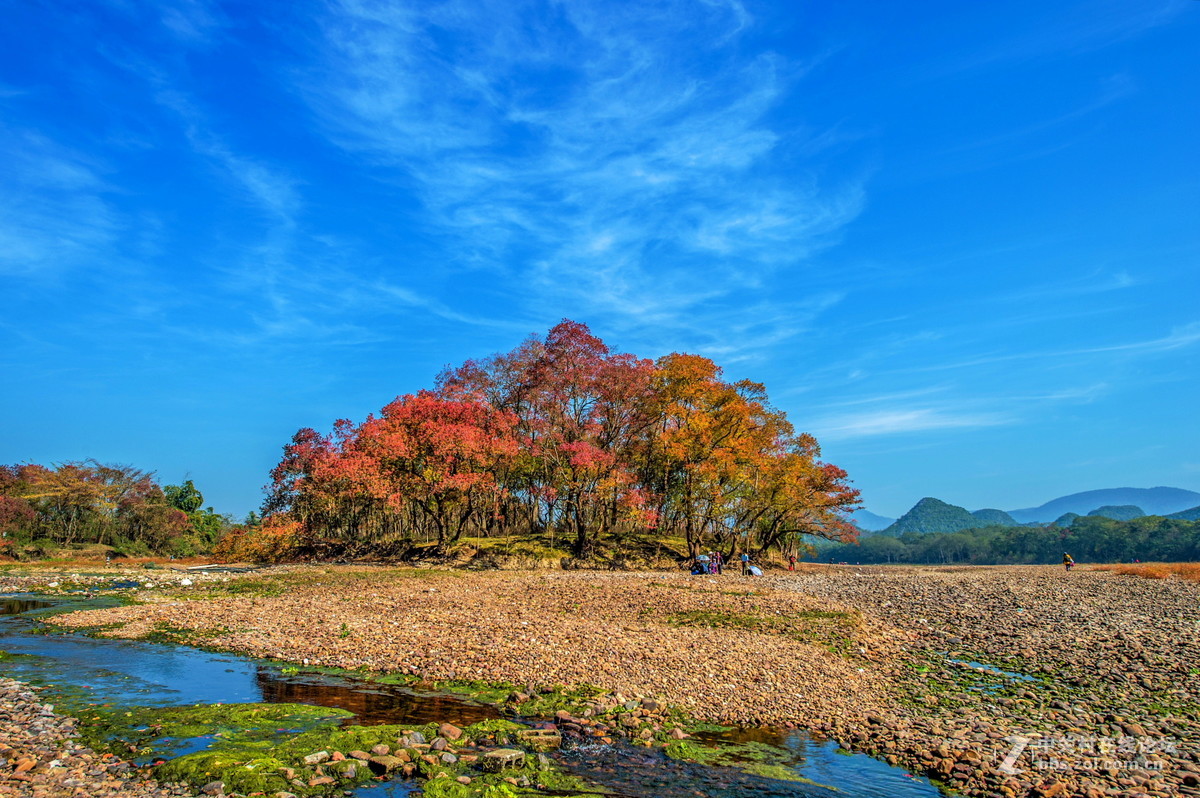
point(902, 420)
point(618, 167)
point(56, 212)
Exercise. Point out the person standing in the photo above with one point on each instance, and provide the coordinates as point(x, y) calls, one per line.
point(1067, 561)
point(719, 560)
point(745, 563)
point(791, 562)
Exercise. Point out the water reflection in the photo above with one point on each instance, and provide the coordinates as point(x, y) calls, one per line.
point(16, 606)
point(371, 703)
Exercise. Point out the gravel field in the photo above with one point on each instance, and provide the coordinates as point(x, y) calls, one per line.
point(1088, 682)
point(39, 758)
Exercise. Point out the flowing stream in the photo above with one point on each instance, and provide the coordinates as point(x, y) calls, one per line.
point(124, 672)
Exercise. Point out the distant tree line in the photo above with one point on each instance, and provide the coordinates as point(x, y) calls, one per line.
point(560, 438)
point(79, 503)
point(1087, 539)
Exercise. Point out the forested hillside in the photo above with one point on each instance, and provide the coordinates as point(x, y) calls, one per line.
point(932, 515)
point(1087, 539)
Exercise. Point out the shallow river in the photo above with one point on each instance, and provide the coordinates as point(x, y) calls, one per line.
point(139, 673)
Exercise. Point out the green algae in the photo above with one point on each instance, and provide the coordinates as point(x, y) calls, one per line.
point(530, 780)
point(755, 758)
point(489, 728)
point(143, 730)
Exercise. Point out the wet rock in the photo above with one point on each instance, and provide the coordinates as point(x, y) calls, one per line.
point(501, 759)
point(384, 764)
point(450, 731)
point(540, 739)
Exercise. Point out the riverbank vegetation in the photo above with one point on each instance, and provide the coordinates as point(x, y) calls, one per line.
point(560, 439)
point(1091, 539)
point(120, 509)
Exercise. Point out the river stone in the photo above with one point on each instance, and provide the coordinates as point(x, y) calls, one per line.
point(417, 738)
point(381, 750)
point(439, 744)
point(501, 758)
point(213, 788)
point(362, 756)
point(450, 731)
point(540, 739)
point(382, 765)
point(316, 758)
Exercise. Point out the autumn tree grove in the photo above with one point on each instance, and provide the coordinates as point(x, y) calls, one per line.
point(559, 437)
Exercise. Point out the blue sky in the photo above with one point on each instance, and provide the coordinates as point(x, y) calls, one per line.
point(959, 242)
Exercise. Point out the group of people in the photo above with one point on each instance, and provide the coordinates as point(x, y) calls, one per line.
point(714, 563)
point(711, 563)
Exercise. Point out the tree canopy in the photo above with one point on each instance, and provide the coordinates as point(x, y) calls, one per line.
point(562, 437)
point(88, 502)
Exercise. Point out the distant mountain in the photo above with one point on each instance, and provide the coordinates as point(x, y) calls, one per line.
point(990, 517)
point(1155, 501)
point(1192, 514)
point(1066, 519)
point(869, 521)
point(1119, 512)
point(932, 515)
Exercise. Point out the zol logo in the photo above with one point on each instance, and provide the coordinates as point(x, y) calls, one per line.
point(1018, 746)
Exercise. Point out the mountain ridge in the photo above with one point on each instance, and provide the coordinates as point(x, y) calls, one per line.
point(935, 515)
point(1160, 500)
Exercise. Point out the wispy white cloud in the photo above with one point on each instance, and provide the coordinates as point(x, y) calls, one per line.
point(57, 208)
point(896, 421)
point(1111, 90)
point(1180, 337)
point(632, 177)
point(1092, 282)
point(193, 21)
point(1080, 28)
point(266, 187)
